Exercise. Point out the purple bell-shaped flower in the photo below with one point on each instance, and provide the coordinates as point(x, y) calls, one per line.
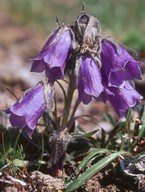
point(26, 112)
point(54, 56)
point(89, 79)
point(117, 65)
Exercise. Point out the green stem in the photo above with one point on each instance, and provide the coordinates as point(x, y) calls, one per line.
point(68, 102)
point(16, 143)
point(42, 153)
point(71, 120)
point(62, 89)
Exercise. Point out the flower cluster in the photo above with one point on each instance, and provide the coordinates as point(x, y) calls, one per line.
point(105, 67)
point(102, 68)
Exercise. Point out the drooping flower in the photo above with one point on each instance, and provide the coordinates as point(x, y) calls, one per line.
point(117, 65)
point(54, 55)
point(89, 79)
point(26, 112)
point(121, 98)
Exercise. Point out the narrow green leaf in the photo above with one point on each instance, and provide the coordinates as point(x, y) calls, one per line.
point(48, 120)
point(128, 116)
point(141, 131)
point(109, 118)
point(117, 129)
point(91, 155)
point(126, 129)
point(84, 163)
point(89, 134)
point(92, 171)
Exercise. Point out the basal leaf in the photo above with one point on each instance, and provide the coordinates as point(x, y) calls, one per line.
point(92, 171)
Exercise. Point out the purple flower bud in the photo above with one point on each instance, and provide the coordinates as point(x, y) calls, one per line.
point(117, 65)
point(121, 98)
point(54, 55)
point(89, 79)
point(26, 112)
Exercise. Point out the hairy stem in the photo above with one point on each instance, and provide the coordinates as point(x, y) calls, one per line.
point(58, 149)
point(71, 120)
point(68, 101)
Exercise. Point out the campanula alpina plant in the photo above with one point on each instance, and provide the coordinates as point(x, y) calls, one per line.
point(97, 67)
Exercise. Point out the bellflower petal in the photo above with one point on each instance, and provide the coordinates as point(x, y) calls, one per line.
point(121, 98)
point(26, 112)
point(89, 79)
point(117, 65)
point(54, 55)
